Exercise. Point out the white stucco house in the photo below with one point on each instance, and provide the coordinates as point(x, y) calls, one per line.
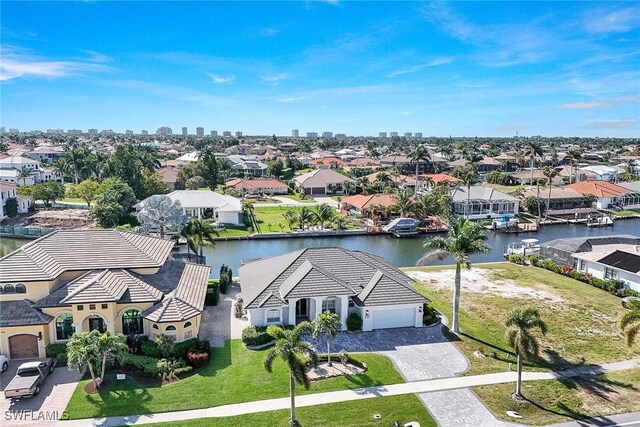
point(480, 202)
point(298, 285)
point(209, 204)
point(10, 168)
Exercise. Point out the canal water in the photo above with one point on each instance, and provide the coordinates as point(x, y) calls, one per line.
point(402, 252)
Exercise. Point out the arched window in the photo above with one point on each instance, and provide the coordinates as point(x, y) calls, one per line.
point(9, 289)
point(21, 288)
point(64, 326)
point(170, 328)
point(187, 325)
point(132, 322)
point(155, 326)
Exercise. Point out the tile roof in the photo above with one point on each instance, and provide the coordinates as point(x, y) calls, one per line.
point(598, 188)
point(479, 193)
point(109, 285)
point(21, 313)
point(315, 272)
point(255, 183)
point(64, 250)
point(321, 177)
point(363, 201)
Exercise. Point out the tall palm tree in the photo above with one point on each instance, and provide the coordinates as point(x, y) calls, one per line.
point(550, 172)
point(464, 238)
point(348, 187)
point(24, 173)
point(75, 159)
point(419, 154)
point(291, 217)
point(404, 203)
point(575, 155)
point(520, 323)
point(323, 214)
point(305, 216)
point(382, 179)
point(328, 323)
point(200, 233)
point(110, 344)
point(630, 322)
point(293, 351)
point(533, 149)
point(340, 222)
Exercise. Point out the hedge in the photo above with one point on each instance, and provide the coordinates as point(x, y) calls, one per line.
point(354, 322)
point(213, 293)
point(149, 348)
point(148, 365)
point(54, 349)
point(181, 348)
point(254, 336)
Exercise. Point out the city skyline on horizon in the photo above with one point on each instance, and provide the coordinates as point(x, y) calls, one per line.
point(354, 68)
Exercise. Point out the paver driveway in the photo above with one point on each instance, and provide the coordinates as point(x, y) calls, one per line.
point(421, 354)
point(47, 407)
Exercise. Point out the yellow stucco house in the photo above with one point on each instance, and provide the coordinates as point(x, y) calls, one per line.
point(81, 280)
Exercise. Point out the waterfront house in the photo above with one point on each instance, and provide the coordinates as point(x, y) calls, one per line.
point(320, 182)
point(8, 191)
point(11, 167)
point(46, 153)
point(606, 192)
point(480, 202)
point(258, 186)
point(362, 204)
point(600, 172)
point(107, 280)
point(296, 286)
point(564, 201)
point(249, 165)
point(208, 204)
point(328, 163)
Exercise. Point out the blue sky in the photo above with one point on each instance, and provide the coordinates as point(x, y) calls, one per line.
point(457, 68)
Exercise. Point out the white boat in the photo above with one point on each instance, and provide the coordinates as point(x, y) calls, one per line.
point(601, 221)
point(505, 223)
point(524, 247)
point(402, 227)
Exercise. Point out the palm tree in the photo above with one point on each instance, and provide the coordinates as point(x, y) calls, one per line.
point(199, 233)
point(24, 173)
point(329, 323)
point(533, 149)
point(324, 213)
point(305, 216)
point(348, 187)
point(291, 217)
point(630, 322)
point(520, 322)
point(340, 222)
point(382, 179)
point(419, 154)
point(404, 203)
point(248, 209)
point(84, 352)
point(110, 344)
point(74, 159)
point(293, 351)
point(467, 174)
point(550, 172)
point(464, 238)
point(575, 155)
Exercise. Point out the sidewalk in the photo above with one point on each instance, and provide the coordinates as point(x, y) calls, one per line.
point(349, 395)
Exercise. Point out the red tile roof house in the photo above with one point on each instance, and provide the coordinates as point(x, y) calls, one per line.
point(608, 193)
point(170, 177)
point(362, 203)
point(328, 163)
point(258, 186)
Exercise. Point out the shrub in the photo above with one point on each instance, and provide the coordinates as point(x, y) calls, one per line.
point(149, 348)
point(213, 294)
point(255, 336)
point(54, 349)
point(517, 259)
point(238, 309)
point(534, 259)
point(181, 348)
point(166, 344)
point(354, 322)
point(631, 293)
point(575, 274)
point(429, 315)
point(61, 358)
point(169, 369)
point(198, 356)
point(11, 207)
point(145, 364)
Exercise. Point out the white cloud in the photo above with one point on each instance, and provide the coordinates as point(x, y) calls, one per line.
point(600, 104)
point(270, 31)
point(289, 99)
point(415, 68)
point(97, 57)
point(16, 63)
point(612, 21)
point(275, 78)
point(405, 113)
point(218, 79)
point(611, 124)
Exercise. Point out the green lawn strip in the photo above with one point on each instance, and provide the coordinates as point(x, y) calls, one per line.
point(582, 329)
point(344, 414)
point(234, 375)
point(234, 231)
point(556, 401)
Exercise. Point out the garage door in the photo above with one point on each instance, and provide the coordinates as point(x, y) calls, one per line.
point(23, 346)
point(317, 190)
point(397, 318)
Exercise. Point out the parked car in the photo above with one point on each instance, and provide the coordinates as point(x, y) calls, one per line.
point(4, 363)
point(29, 378)
point(627, 300)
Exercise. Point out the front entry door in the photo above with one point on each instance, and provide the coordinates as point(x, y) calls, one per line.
point(302, 308)
point(96, 323)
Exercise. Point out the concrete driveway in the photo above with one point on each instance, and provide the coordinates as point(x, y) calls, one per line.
point(46, 408)
point(218, 322)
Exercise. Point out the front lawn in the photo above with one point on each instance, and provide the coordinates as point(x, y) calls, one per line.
point(234, 375)
point(345, 414)
point(582, 319)
point(234, 231)
point(555, 401)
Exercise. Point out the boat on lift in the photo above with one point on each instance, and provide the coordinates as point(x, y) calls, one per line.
point(524, 247)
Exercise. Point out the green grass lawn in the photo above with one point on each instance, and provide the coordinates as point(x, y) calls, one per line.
point(234, 231)
point(234, 375)
point(345, 414)
point(582, 328)
point(555, 401)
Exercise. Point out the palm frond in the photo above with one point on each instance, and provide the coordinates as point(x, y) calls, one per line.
point(632, 333)
point(438, 255)
point(629, 318)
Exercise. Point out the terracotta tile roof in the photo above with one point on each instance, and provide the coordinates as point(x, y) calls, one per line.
point(362, 201)
point(598, 188)
point(255, 183)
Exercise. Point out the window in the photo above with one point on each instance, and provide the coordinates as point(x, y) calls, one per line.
point(105, 306)
point(92, 306)
point(9, 289)
point(351, 302)
point(132, 322)
point(64, 326)
point(170, 328)
point(273, 315)
point(610, 273)
point(80, 307)
point(155, 326)
point(582, 265)
point(188, 334)
point(21, 288)
point(187, 325)
point(329, 305)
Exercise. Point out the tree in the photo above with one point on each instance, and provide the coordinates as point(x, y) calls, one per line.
point(468, 175)
point(48, 192)
point(11, 207)
point(419, 154)
point(87, 190)
point(195, 182)
point(113, 202)
point(340, 222)
point(533, 149)
point(464, 238)
point(160, 212)
point(200, 234)
point(293, 351)
point(323, 214)
point(83, 350)
point(404, 203)
point(630, 322)
point(550, 172)
point(328, 323)
point(24, 173)
point(165, 343)
point(305, 216)
point(152, 184)
point(575, 155)
point(275, 168)
point(520, 323)
point(210, 168)
point(110, 344)
point(291, 217)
